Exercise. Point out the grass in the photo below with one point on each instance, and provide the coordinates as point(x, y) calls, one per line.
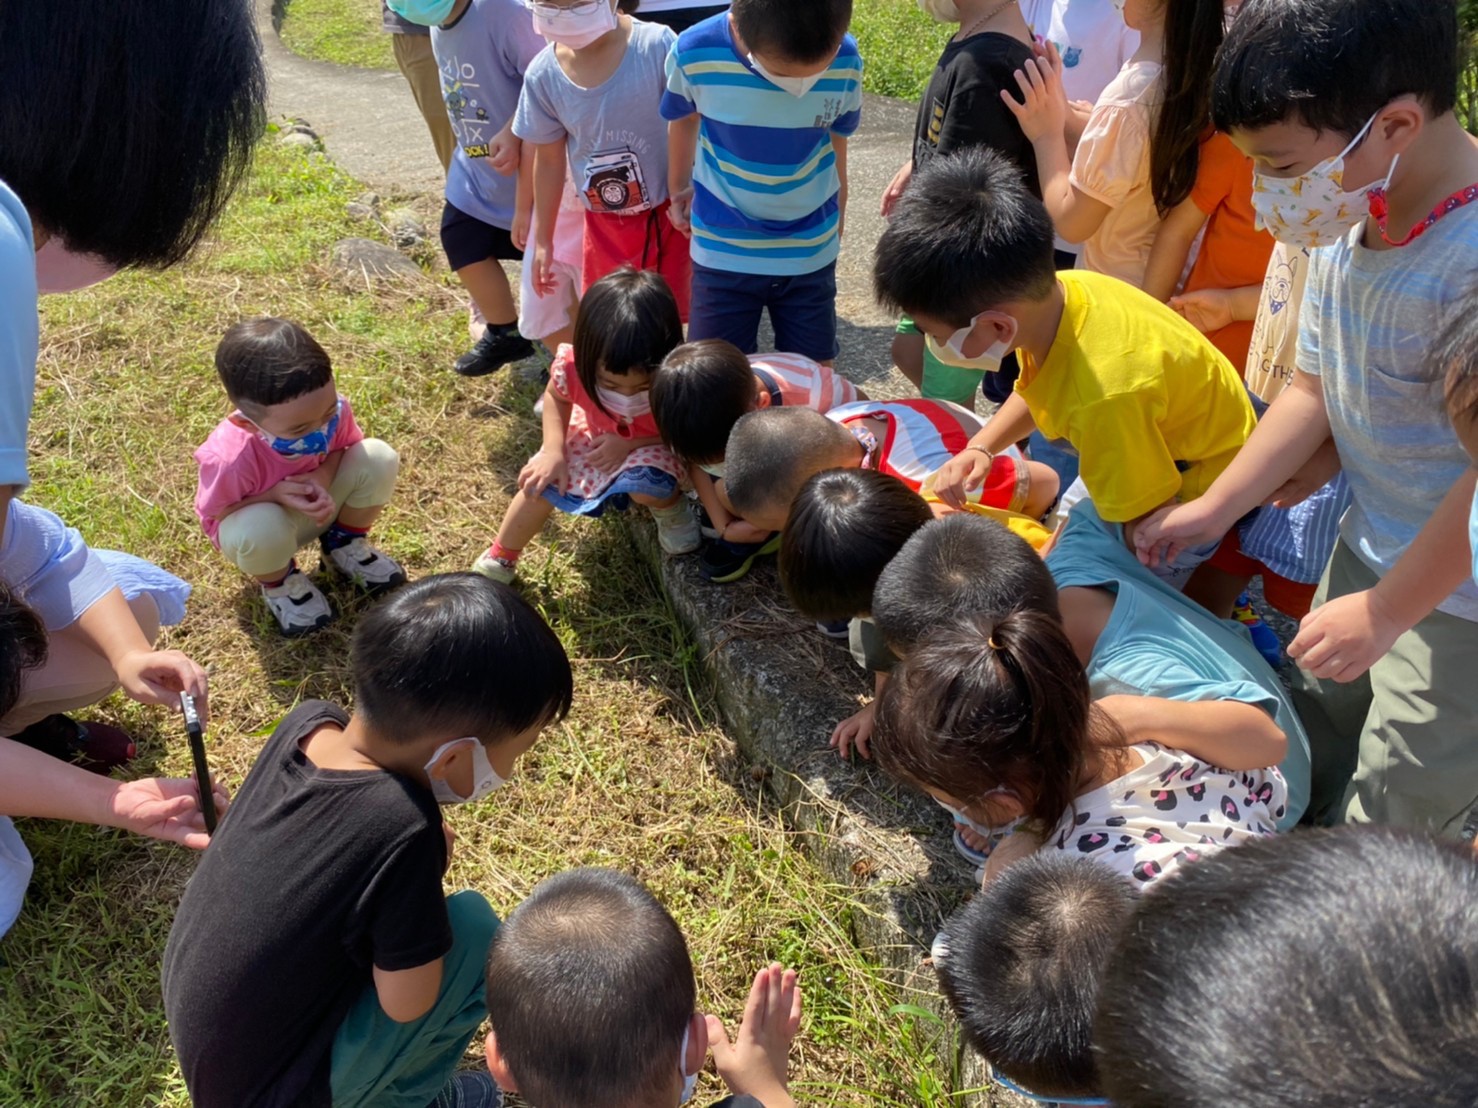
point(638, 778)
point(347, 32)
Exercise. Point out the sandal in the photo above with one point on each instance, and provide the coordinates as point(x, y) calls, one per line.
point(96, 747)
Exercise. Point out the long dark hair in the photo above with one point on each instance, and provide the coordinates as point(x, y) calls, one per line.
point(1193, 30)
point(628, 321)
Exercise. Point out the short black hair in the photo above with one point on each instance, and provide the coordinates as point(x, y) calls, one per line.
point(966, 236)
point(1456, 359)
point(267, 361)
point(772, 452)
point(700, 391)
point(1332, 64)
point(589, 989)
point(457, 653)
point(844, 527)
point(22, 645)
point(810, 31)
point(1322, 969)
point(163, 104)
point(1022, 965)
point(628, 320)
point(961, 565)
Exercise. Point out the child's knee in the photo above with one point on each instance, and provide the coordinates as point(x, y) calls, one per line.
point(371, 467)
point(259, 539)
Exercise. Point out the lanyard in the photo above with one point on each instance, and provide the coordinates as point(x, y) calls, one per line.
point(1380, 210)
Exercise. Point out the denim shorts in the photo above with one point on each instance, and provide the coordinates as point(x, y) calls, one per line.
point(802, 309)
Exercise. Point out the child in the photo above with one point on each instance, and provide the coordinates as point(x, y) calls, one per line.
point(761, 101)
point(1322, 970)
point(314, 938)
point(290, 465)
point(700, 391)
point(771, 453)
point(1359, 148)
point(601, 446)
point(1154, 411)
point(1458, 351)
point(594, 95)
point(591, 1001)
point(550, 318)
point(1021, 964)
point(482, 48)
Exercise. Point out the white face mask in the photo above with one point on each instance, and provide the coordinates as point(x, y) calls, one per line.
point(690, 1080)
point(622, 406)
point(951, 351)
point(942, 10)
point(981, 828)
point(576, 26)
point(1314, 209)
point(796, 86)
point(713, 469)
point(61, 270)
point(485, 778)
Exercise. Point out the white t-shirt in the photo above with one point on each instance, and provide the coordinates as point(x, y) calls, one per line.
point(1089, 34)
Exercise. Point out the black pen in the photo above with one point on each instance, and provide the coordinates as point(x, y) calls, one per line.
point(197, 753)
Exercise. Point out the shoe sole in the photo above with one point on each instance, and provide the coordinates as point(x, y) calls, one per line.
point(328, 568)
point(771, 546)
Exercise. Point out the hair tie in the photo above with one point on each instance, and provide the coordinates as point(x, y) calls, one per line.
point(991, 642)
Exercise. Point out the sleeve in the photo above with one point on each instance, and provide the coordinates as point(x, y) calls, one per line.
point(1310, 312)
point(560, 372)
point(1124, 459)
point(1218, 167)
point(851, 115)
point(1111, 157)
point(535, 119)
point(224, 481)
point(19, 338)
point(61, 577)
point(839, 391)
point(678, 97)
point(405, 908)
point(1006, 485)
point(1175, 681)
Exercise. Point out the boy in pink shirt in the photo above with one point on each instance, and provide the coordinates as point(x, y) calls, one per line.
point(288, 466)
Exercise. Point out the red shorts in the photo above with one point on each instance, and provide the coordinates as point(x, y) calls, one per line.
point(1292, 598)
point(647, 240)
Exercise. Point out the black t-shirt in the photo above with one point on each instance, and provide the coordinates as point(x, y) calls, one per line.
point(962, 106)
point(312, 877)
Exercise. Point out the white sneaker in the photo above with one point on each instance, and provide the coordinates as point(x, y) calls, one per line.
point(370, 569)
point(297, 605)
point(677, 530)
point(493, 569)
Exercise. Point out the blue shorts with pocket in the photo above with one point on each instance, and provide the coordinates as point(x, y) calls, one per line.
point(802, 307)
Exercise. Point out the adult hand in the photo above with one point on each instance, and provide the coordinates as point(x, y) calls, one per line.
point(1312, 476)
point(757, 1062)
point(895, 187)
point(680, 211)
point(1042, 111)
point(960, 476)
point(159, 676)
point(165, 808)
point(1206, 310)
point(1164, 533)
point(855, 731)
point(544, 470)
point(305, 496)
point(504, 153)
point(609, 452)
point(1346, 636)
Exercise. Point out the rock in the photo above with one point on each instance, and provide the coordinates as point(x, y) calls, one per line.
point(300, 140)
point(405, 227)
point(300, 126)
point(364, 261)
point(370, 200)
point(357, 211)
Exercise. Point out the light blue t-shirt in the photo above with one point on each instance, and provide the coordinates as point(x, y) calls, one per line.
point(20, 335)
point(1158, 643)
point(1473, 533)
point(1366, 329)
point(482, 58)
point(614, 133)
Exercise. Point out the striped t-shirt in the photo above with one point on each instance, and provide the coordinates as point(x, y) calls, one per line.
point(765, 180)
point(795, 381)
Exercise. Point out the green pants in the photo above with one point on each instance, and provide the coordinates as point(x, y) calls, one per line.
point(1399, 745)
point(379, 1062)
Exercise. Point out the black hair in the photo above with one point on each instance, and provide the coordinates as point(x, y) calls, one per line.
point(267, 361)
point(1022, 967)
point(1193, 31)
point(965, 237)
point(844, 527)
point(163, 103)
point(1456, 359)
point(589, 989)
point(1332, 64)
point(771, 452)
point(458, 654)
point(700, 391)
point(810, 31)
point(22, 645)
point(961, 565)
point(1323, 969)
point(628, 320)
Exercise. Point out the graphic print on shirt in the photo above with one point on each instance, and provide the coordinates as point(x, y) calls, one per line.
point(936, 122)
point(460, 89)
point(614, 181)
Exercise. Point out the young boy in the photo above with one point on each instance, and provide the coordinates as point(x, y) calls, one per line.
point(1365, 135)
point(482, 48)
point(771, 453)
point(1154, 411)
point(314, 959)
point(290, 465)
point(1021, 966)
point(761, 100)
point(700, 391)
point(591, 999)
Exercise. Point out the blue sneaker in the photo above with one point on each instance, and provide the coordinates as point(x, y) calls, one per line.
point(1263, 636)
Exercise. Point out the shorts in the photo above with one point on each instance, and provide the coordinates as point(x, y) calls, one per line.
point(1292, 598)
point(802, 307)
point(647, 240)
point(467, 240)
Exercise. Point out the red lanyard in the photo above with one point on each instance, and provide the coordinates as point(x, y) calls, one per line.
point(1380, 210)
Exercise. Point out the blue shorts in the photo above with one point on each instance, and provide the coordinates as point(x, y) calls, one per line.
point(802, 307)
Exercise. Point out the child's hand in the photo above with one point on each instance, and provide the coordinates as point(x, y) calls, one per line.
point(544, 470)
point(165, 808)
point(504, 152)
point(519, 232)
point(961, 475)
point(855, 731)
point(756, 1063)
point(308, 497)
point(545, 281)
point(1043, 108)
point(680, 211)
point(1345, 637)
point(1164, 533)
point(159, 676)
point(1206, 310)
point(609, 452)
point(895, 187)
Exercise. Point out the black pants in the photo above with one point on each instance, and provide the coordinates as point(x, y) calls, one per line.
point(680, 19)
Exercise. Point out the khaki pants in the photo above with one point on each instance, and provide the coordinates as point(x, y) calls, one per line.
point(418, 67)
point(1400, 745)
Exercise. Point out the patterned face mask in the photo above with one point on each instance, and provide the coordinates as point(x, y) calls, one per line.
point(310, 445)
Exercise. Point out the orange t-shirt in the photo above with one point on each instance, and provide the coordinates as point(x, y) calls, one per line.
point(1233, 253)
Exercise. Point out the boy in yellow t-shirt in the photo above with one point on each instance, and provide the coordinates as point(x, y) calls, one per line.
point(1154, 411)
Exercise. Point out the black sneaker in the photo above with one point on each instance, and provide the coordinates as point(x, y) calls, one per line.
point(722, 562)
point(498, 347)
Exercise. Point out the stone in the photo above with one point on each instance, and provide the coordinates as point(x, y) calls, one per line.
point(405, 227)
point(364, 261)
point(358, 212)
point(299, 140)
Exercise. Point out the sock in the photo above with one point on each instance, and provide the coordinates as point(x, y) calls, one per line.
point(669, 511)
point(291, 566)
point(339, 535)
point(500, 553)
point(504, 328)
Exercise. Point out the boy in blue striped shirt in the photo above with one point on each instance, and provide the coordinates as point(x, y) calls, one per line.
point(760, 101)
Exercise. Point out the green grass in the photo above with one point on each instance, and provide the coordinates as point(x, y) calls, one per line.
point(343, 31)
point(638, 778)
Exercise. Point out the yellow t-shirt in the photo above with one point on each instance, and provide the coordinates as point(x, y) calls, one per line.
point(1022, 526)
point(1153, 409)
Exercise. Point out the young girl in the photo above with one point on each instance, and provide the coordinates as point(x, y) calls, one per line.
point(593, 97)
point(993, 720)
point(1138, 154)
point(601, 444)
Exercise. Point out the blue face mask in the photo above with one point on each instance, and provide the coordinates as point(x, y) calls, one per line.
point(313, 444)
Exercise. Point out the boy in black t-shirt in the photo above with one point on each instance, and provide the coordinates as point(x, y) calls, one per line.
point(591, 1000)
point(314, 959)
